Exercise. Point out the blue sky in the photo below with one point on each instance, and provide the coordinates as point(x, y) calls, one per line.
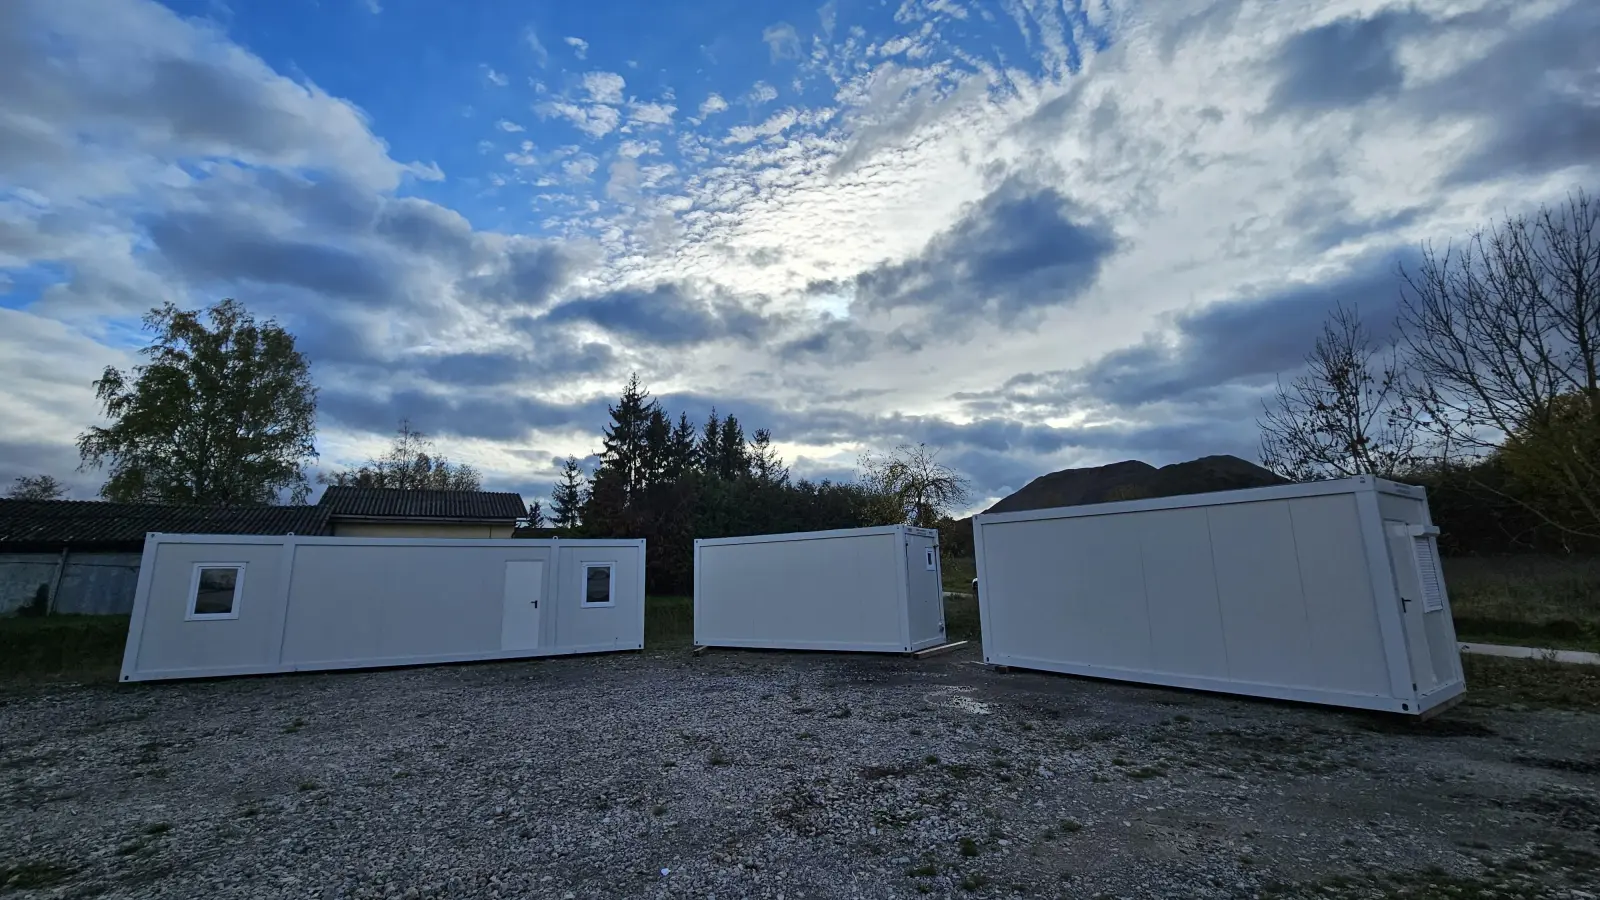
point(1034, 234)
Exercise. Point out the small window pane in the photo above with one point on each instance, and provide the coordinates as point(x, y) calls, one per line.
point(214, 596)
point(598, 589)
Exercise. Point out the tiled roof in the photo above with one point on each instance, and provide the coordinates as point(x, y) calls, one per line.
point(89, 524)
point(352, 501)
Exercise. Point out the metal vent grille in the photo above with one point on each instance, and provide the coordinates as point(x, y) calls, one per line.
point(1428, 573)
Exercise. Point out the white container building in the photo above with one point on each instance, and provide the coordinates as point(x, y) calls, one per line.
point(868, 589)
point(1329, 592)
point(213, 605)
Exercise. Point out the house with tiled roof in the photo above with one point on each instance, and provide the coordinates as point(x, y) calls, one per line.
point(86, 553)
point(380, 512)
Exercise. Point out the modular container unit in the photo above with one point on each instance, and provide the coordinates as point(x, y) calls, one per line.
point(1328, 592)
point(212, 605)
point(868, 589)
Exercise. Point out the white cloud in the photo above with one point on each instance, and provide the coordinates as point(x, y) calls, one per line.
point(932, 168)
point(498, 79)
point(593, 120)
point(651, 113)
point(540, 54)
point(632, 149)
point(782, 41)
point(509, 126)
point(761, 93)
point(604, 87)
point(580, 47)
point(713, 104)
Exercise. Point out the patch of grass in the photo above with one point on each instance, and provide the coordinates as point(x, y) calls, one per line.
point(77, 648)
point(926, 870)
point(805, 736)
point(958, 572)
point(130, 848)
point(294, 726)
point(718, 758)
point(309, 786)
point(1070, 826)
point(1541, 601)
point(36, 874)
point(931, 760)
point(969, 847)
point(660, 809)
point(157, 828)
point(961, 619)
point(1148, 772)
point(973, 881)
point(1499, 681)
point(668, 621)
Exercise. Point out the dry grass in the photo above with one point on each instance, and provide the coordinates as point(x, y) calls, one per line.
point(1538, 684)
point(958, 573)
point(1529, 600)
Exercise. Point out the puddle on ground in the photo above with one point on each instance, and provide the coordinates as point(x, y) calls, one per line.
point(957, 697)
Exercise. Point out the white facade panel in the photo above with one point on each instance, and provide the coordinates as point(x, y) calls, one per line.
point(867, 589)
point(212, 605)
point(1327, 592)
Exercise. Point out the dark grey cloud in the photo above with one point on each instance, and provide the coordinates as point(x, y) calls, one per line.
point(219, 247)
point(1536, 94)
point(669, 315)
point(547, 360)
point(494, 415)
point(835, 339)
point(160, 81)
point(1343, 63)
point(1021, 248)
point(30, 458)
point(1240, 343)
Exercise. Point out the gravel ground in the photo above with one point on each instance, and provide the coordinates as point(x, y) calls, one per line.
point(775, 775)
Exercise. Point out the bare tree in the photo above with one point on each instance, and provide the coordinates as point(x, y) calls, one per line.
point(410, 464)
point(37, 487)
point(922, 489)
point(1342, 417)
point(1503, 335)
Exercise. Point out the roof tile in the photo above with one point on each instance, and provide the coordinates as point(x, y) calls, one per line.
point(353, 501)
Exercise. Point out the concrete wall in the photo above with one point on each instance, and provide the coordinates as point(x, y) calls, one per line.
point(422, 529)
point(93, 583)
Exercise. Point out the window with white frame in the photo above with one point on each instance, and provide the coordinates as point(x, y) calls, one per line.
point(597, 584)
point(215, 590)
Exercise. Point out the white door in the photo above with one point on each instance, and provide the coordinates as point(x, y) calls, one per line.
point(1417, 576)
point(519, 621)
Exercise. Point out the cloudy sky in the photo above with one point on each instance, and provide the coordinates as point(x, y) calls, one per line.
point(1032, 233)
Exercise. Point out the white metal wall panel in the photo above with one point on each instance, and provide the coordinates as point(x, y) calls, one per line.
point(1347, 644)
point(327, 603)
point(1258, 582)
point(835, 590)
point(168, 637)
point(1186, 635)
point(1291, 592)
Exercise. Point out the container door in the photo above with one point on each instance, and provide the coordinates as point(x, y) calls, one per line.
point(519, 619)
point(925, 592)
point(1420, 583)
